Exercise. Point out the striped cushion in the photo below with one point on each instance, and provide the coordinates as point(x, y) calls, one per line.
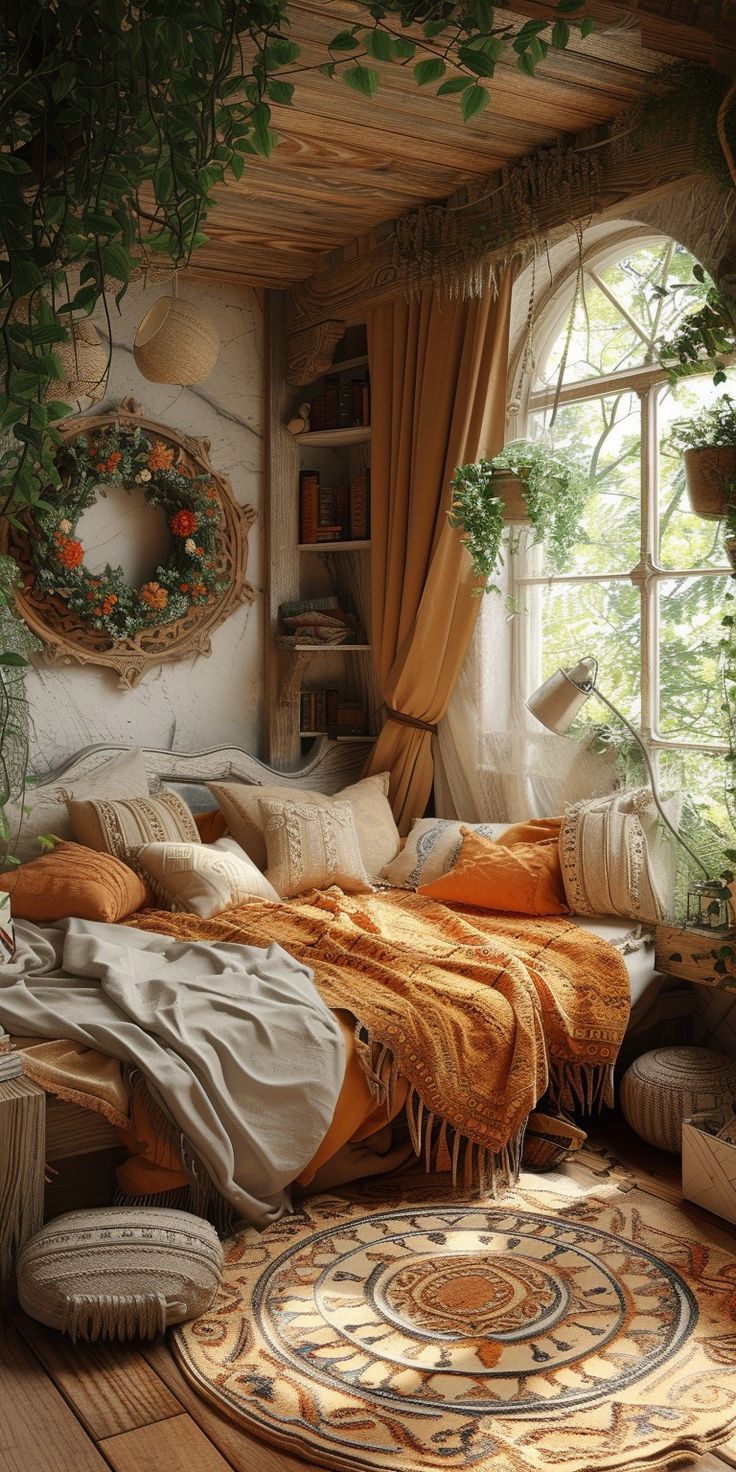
point(116, 827)
point(119, 1272)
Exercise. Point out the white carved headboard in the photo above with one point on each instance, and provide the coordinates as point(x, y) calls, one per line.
point(330, 766)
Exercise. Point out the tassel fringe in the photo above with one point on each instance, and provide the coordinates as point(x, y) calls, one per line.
point(116, 1316)
point(582, 1085)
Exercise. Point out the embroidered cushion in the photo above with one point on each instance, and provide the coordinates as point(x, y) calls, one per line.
point(522, 879)
point(72, 880)
point(202, 879)
point(121, 776)
point(618, 858)
point(116, 827)
point(378, 835)
point(311, 847)
point(434, 845)
point(119, 1272)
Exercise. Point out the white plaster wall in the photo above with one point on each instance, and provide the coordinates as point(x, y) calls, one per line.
point(203, 701)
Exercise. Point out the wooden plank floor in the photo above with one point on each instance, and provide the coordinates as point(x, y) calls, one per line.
point(88, 1408)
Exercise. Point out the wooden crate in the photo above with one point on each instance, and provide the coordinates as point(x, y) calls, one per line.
point(690, 953)
point(708, 1168)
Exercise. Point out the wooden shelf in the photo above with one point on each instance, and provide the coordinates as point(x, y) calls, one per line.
point(333, 546)
point(322, 648)
point(314, 735)
point(354, 434)
point(346, 365)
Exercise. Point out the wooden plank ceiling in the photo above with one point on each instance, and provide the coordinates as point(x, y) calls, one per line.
point(347, 164)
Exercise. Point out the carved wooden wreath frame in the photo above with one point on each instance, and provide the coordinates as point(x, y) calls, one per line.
point(64, 635)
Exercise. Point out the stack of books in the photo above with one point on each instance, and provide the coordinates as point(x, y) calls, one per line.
point(323, 712)
point(340, 513)
point(10, 1063)
point(343, 402)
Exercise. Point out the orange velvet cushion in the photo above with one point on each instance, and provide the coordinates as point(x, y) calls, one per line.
point(73, 880)
point(211, 825)
point(525, 879)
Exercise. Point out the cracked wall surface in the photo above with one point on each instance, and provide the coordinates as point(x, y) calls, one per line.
point(203, 701)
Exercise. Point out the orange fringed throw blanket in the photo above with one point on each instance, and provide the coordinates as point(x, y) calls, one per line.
point(480, 1013)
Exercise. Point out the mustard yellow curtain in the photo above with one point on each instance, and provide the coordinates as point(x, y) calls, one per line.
point(438, 399)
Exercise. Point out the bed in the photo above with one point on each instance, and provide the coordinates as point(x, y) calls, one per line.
point(80, 1145)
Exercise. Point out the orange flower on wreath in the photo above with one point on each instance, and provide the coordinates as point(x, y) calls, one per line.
point(154, 595)
point(183, 523)
point(69, 552)
point(211, 493)
point(199, 590)
point(161, 457)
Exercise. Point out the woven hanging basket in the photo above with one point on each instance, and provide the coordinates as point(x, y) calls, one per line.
point(510, 488)
point(175, 343)
point(710, 477)
point(85, 363)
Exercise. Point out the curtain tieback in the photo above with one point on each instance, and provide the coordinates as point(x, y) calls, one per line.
point(404, 720)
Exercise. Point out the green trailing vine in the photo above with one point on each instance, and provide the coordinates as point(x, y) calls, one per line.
point(555, 491)
point(105, 601)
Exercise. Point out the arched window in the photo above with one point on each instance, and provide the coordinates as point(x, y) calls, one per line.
point(643, 588)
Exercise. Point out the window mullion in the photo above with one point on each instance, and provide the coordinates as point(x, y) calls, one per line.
point(643, 575)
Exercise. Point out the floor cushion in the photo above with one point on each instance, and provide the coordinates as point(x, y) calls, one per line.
point(667, 1085)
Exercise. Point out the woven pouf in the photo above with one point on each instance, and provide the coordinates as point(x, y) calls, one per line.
point(668, 1085)
point(119, 1272)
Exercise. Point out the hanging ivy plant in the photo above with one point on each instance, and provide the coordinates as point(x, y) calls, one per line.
point(105, 600)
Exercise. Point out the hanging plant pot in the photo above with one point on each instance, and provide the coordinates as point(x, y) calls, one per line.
point(511, 489)
point(175, 343)
point(710, 477)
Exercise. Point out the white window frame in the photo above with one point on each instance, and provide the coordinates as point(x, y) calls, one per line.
point(646, 382)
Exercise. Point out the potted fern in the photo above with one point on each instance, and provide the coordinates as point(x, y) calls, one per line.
point(526, 484)
point(708, 445)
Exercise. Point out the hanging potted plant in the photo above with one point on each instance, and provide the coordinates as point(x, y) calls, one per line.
point(708, 443)
point(525, 485)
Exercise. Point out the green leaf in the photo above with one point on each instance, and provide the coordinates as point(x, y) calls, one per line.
point(477, 61)
point(586, 27)
point(327, 69)
point(280, 92)
point(14, 661)
point(363, 79)
point(379, 44)
point(560, 33)
point(455, 84)
point(9, 164)
point(116, 261)
point(475, 100)
point(404, 48)
point(344, 41)
point(526, 64)
point(429, 71)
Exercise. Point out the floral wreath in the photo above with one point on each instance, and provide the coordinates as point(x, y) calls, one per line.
point(106, 602)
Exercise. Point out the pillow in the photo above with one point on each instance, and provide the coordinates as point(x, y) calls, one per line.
point(115, 827)
point(211, 826)
point(523, 879)
point(200, 878)
point(196, 795)
point(618, 858)
point(72, 880)
point(119, 1272)
point(378, 835)
point(311, 846)
point(434, 845)
point(121, 776)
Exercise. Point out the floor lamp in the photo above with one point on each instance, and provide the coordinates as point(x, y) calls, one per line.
point(556, 704)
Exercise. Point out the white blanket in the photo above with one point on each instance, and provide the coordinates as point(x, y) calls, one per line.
point(234, 1042)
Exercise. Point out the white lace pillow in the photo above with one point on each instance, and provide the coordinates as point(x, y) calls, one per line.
point(200, 878)
point(311, 847)
point(431, 849)
point(618, 858)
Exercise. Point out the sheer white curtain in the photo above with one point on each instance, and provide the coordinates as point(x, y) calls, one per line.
point(493, 760)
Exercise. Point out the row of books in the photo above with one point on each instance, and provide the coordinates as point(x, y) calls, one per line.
point(323, 712)
point(329, 513)
point(344, 402)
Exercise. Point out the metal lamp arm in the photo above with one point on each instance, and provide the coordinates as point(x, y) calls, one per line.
point(652, 780)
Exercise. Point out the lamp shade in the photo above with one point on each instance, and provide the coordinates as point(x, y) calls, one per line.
point(175, 343)
point(557, 702)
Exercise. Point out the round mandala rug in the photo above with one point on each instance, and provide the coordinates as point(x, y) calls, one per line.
point(554, 1326)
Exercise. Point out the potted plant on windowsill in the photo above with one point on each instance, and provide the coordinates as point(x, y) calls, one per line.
point(526, 484)
point(708, 443)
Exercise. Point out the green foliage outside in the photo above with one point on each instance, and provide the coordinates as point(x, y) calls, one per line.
point(604, 616)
